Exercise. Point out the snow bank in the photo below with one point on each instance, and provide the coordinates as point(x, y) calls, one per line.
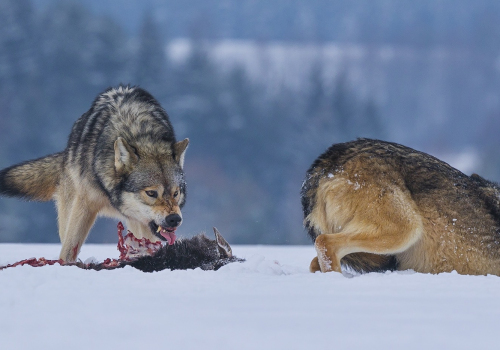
point(269, 302)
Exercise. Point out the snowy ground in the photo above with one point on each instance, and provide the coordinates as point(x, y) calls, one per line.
point(269, 302)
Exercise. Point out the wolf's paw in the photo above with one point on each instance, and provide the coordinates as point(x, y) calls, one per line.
point(314, 267)
point(327, 259)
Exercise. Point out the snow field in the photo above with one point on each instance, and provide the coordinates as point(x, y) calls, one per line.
point(269, 302)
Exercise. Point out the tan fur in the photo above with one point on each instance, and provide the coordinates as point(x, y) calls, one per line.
point(371, 197)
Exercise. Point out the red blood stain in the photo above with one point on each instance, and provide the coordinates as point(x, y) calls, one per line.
point(75, 252)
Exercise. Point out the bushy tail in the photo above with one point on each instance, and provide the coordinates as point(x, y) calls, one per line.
point(34, 180)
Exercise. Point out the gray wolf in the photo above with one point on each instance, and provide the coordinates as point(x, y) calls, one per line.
point(371, 205)
point(122, 160)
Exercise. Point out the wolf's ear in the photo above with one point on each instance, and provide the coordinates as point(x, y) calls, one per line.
point(225, 250)
point(180, 150)
point(125, 155)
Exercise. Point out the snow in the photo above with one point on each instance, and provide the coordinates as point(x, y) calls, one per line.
point(269, 302)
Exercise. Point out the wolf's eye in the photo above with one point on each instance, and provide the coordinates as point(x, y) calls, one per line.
point(176, 193)
point(152, 194)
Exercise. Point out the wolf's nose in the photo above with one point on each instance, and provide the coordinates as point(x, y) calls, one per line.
point(173, 220)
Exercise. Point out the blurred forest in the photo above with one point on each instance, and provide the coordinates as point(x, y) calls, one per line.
point(423, 73)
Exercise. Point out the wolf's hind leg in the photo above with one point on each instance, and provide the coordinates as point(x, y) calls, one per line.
point(367, 219)
point(81, 218)
point(387, 239)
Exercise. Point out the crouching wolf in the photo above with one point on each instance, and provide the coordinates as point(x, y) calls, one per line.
point(122, 160)
point(374, 206)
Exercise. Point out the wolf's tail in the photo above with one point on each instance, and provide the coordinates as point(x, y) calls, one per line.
point(33, 180)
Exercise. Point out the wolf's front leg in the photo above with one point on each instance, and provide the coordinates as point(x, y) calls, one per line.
point(80, 220)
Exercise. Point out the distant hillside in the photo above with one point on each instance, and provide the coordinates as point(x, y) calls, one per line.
point(421, 23)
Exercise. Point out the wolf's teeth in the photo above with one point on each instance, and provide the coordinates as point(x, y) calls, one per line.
point(159, 229)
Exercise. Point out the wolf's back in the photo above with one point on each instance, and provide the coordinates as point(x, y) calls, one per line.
point(34, 180)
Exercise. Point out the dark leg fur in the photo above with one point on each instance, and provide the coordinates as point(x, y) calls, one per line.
point(366, 262)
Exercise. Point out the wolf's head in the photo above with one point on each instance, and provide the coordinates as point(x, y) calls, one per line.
point(153, 188)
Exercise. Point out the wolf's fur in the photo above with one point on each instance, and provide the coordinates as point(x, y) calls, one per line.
point(374, 206)
point(122, 160)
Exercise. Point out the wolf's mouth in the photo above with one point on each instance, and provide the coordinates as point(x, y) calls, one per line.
point(165, 234)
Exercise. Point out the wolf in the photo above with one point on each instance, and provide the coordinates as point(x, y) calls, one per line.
point(122, 160)
point(371, 205)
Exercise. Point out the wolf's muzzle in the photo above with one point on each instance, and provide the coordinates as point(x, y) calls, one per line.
point(173, 220)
